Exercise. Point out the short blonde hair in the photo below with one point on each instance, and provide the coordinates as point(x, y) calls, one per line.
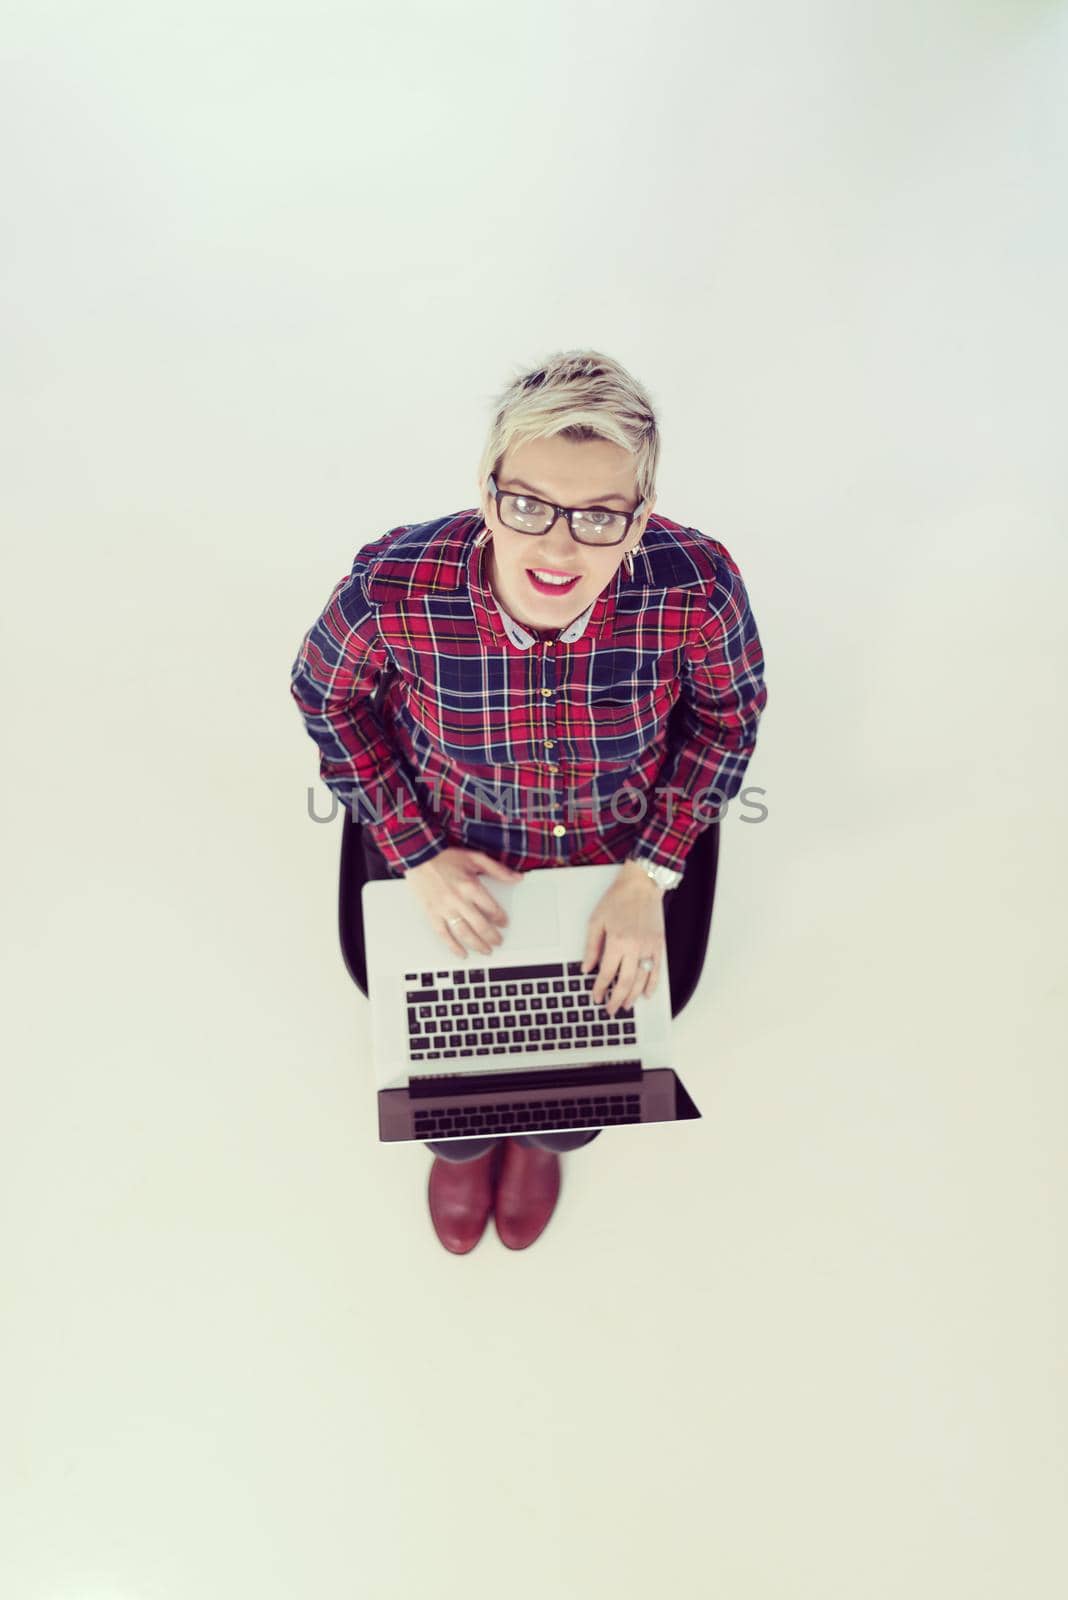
point(580, 395)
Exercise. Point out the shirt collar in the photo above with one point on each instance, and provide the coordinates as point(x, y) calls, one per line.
point(522, 637)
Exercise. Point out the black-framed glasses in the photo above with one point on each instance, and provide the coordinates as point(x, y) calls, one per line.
point(523, 513)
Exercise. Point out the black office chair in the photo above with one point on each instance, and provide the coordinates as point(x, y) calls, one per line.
point(692, 908)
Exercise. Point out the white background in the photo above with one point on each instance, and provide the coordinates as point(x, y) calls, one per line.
point(264, 268)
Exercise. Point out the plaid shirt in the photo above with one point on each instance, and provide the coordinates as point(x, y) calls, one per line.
point(539, 751)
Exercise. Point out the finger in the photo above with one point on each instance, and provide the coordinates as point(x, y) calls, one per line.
point(481, 926)
point(640, 987)
point(606, 972)
point(594, 936)
point(496, 869)
point(651, 977)
point(474, 929)
point(481, 900)
point(446, 933)
point(628, 966)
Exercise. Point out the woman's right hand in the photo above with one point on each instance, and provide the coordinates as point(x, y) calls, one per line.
point(448, 885)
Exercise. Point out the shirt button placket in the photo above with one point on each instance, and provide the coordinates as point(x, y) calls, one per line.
point(559, 832)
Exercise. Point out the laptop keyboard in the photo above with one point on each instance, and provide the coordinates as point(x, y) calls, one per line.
point(523, 1116)
point(483, 1011)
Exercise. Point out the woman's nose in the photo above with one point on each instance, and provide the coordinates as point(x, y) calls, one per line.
point(557, 548)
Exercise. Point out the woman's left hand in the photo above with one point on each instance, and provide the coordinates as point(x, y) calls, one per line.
point(626, 925)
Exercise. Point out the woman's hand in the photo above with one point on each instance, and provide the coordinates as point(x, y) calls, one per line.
point(448, 885)
point(626, 924)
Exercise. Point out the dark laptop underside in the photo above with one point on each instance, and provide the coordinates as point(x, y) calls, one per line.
point(475, 1105)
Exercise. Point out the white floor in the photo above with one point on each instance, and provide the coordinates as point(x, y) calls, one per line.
point(813, 1338)
point(811, 1347)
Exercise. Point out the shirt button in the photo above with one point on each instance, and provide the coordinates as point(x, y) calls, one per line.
point(546, 691)
point(552, 767)
point(559, 830)
point(548, 743)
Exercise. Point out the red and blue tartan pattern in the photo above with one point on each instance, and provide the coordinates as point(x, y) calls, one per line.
point(482, 743)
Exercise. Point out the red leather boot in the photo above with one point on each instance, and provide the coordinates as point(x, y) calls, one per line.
point(461, 1198)
point(527, 1190)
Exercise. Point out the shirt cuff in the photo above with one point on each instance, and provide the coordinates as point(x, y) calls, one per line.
point(415, 842)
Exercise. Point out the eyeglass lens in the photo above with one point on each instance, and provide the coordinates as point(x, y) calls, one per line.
point(525, 515)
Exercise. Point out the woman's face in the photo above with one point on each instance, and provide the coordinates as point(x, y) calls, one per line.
point(593, 473)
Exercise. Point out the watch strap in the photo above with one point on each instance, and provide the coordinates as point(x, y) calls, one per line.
point(665, 877)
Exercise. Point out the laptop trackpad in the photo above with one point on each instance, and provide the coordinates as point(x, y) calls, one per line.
point(533, 912)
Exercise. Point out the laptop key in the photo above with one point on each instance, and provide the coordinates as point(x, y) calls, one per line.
point(542, 969)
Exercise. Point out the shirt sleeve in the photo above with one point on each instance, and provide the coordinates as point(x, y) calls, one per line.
point(332, 681)
point(723, 696)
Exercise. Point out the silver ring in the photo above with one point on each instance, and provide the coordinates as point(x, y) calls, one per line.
point(647, 963)
point(451, 920)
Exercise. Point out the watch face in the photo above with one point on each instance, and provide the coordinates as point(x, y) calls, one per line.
point(666, 877)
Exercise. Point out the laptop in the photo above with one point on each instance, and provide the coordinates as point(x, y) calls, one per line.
point(510, 1042)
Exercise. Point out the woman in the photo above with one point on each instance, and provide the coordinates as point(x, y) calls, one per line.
point(533, 650)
